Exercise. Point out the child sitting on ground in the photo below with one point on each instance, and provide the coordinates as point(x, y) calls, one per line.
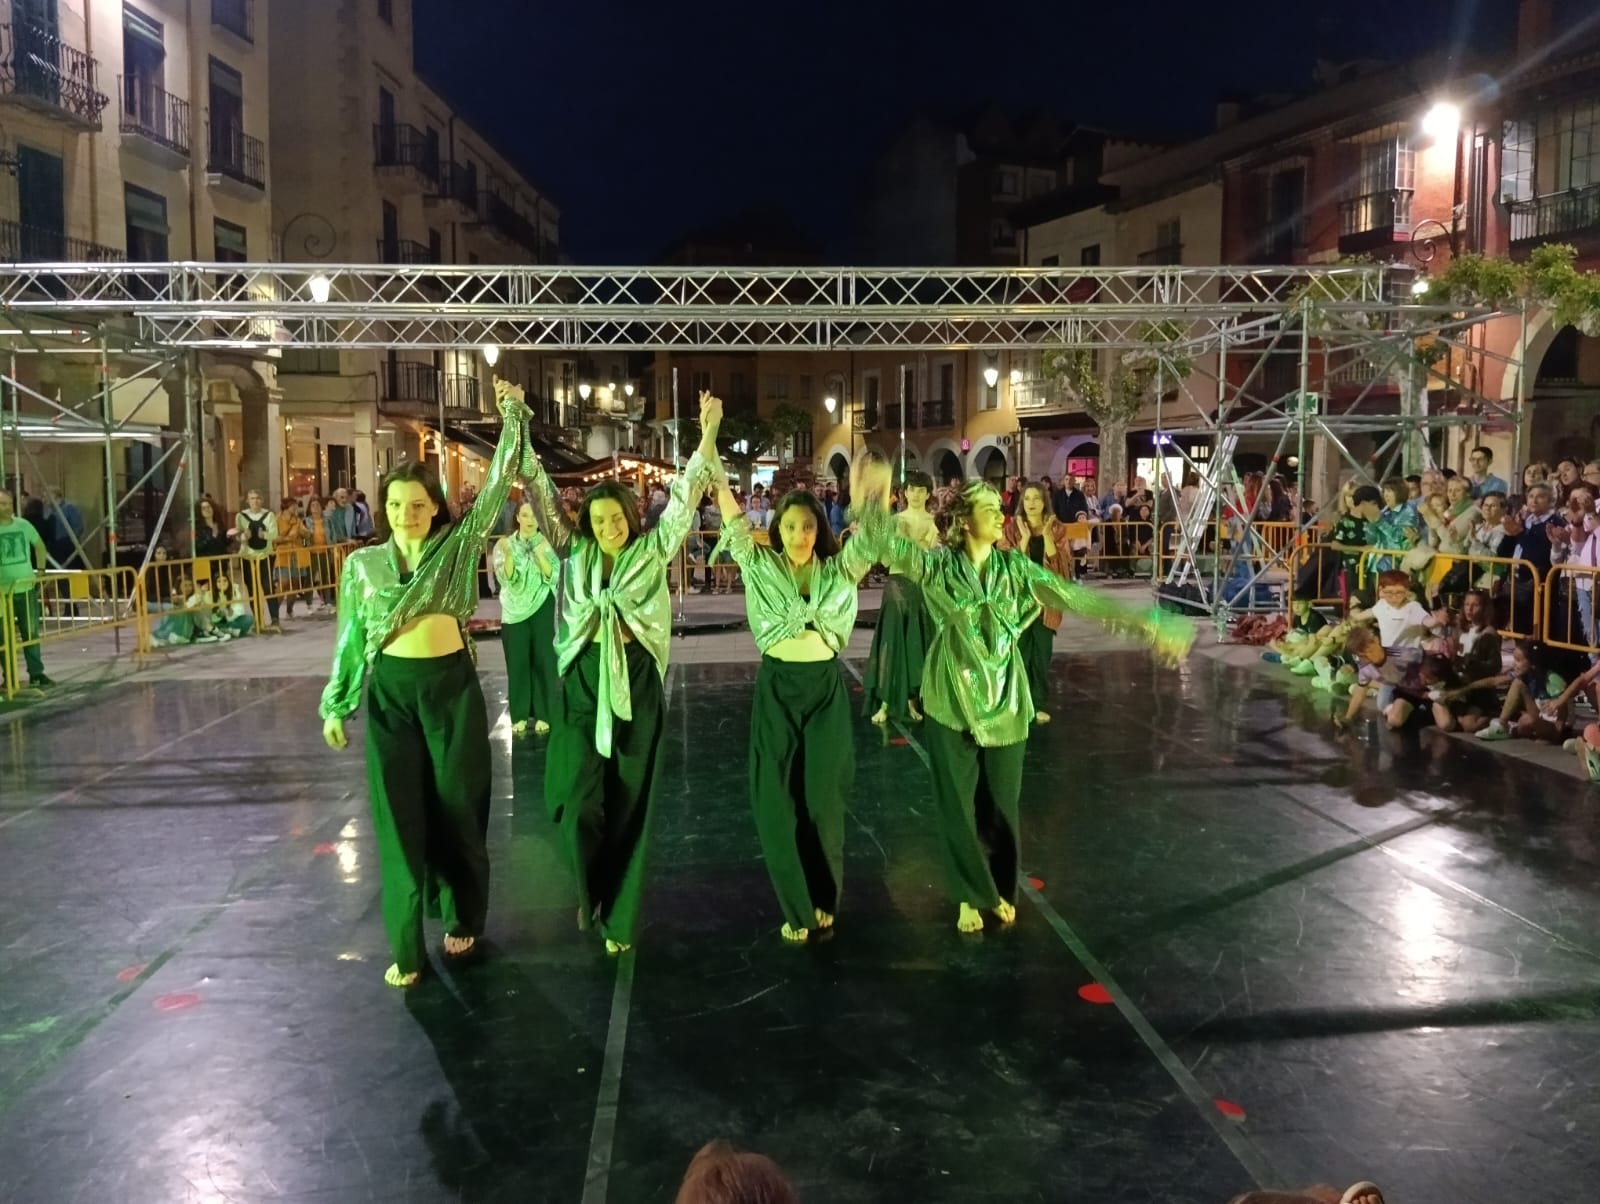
point(1531, 708)
point(1393, 676)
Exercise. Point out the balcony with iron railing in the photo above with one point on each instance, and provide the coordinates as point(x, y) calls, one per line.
point(1041, 395)
point(1557, 215)
point(235, 155)
point(409, 381)
point(238, 17)
point(891, 416)
point(41, 72)
point(463, 393)
point(1169, 253)
point(405, 250)
point(152, 115)
point(456, 184)
point(23, 243)
point(1374, 220)
point(397, 147)
point(500, 214)
point(938, 413)
point(866, 418)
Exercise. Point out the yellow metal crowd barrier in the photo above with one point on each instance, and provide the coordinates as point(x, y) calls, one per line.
point(1568, 618)
point(62, 607)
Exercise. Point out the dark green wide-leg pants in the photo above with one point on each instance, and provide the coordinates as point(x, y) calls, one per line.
point(893, 675)
point(802, 761)
point(1038, 645)
point(530, 648)
point(428, 775)
point(975, 796)
point(603, 803)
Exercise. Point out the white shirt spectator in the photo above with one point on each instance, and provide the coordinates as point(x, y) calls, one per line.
point(1395, 622)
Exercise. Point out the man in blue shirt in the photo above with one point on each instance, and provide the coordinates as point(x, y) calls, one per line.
point(1481, 479)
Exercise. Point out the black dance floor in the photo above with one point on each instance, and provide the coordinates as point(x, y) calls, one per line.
point(1250, 954)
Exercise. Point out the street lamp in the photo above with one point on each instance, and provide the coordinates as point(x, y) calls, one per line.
point(627, 389)
point(1441, 122)
point(490, 353)
point(1016, 377)
point(991, 376)
point(584, 391)
point(321, 288)
point(830, 404)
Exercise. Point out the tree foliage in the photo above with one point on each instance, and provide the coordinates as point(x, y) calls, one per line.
point(1161, 359)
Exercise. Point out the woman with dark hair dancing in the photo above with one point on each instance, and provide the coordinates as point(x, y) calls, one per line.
point(613, 635)
point(403, 609)
point(975, 693)
point(801, 597)
point(1039, 535)
point(526, 567)
point(893, 676)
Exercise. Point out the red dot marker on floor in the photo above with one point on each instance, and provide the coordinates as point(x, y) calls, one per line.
point(129, 973)
point(900, 740)
point(1229, 1109)
point(176, 1003)
point(1094, 993)
point(1036, 883)
point(325, 848)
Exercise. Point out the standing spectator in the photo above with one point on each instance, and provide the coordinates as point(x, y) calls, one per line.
point(711, 528)
point(257, 532)
point(292, 536)
point(211, 538)
point(1533, 531)
point(341, 518)
point(1480, 479)
point(361, 525)
point(22, 557)
point(1566, 479)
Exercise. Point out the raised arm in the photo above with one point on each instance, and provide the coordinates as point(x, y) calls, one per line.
point(1170, 635)
point(672, 528)
point(870, 483)
point(736, 539)
point(503, 468)
point(545, 500)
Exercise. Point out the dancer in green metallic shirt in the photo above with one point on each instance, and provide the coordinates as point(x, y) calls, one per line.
point(525, 565)
point(893, 676)
point(613, 634)
point(403, 610)
point(975, 688)
point(800, 595)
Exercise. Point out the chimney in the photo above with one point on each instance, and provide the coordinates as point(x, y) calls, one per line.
point(1533, 27)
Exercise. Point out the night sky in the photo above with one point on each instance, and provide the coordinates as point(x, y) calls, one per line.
point(644, 120)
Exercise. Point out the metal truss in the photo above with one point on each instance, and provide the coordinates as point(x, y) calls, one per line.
point(259, 306)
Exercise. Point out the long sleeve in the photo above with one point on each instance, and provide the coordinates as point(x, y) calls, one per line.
point(475, 527)
point(667, 536)
point(903, 557)
point(1169, 634)
point(738, 542)
point(863, 549)
point(546, 501)
point(342, 695)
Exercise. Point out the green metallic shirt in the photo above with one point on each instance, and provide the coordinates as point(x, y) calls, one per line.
point(973, 679)
point(523, 586)
point(594, 608)
point(377, 598)
point(772, 599)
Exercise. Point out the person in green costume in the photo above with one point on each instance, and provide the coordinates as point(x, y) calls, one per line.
point(975, 688)
point(893, 674)
point(404, 604)
point(801, 596)
point(613, 635)
point(525, 565)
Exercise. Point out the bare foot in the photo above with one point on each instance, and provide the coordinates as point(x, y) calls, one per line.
point(1041, 716)
point(971, 920)
point(916, 715)
point(459, 946)
point(796, 936)
point(614, 948)
point(824, 920)
point(541, 728)
point(394, 978)
point(519, 728)
point(1365, 1192)
point(881, 716)
point(1005, 912)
